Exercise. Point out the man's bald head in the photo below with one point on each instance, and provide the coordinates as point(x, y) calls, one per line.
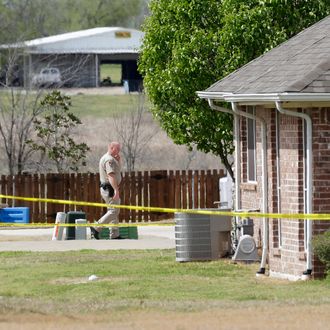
point(114, 148)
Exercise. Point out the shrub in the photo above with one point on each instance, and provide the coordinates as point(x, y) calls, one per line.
point(321, 246)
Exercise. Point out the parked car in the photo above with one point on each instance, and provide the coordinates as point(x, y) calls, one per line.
point(47, 77)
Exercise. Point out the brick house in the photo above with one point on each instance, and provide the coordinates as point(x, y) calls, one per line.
point(281, 107)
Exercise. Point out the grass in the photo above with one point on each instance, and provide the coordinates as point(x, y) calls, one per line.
point(102, 105)
point(111, 70)
point(129, 279)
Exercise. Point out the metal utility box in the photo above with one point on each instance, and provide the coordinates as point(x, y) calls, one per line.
point(202, 236)
point(81, 230)
point(247, 226)
point(246, 249)
point(71, 218)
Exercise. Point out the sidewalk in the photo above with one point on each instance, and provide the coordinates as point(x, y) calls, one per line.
point(149, 237)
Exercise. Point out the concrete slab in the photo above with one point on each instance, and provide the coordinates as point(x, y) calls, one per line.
point(40, 239)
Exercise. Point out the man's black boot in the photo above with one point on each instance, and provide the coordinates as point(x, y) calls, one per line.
point(95, 233)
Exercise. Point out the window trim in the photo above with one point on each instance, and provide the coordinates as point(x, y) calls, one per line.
point(251, 159)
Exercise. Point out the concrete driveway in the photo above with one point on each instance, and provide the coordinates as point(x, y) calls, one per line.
point(149, 237)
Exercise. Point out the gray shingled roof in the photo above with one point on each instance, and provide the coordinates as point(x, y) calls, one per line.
point(299, 65)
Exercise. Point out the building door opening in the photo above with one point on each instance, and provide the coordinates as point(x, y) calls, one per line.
point(111, 74)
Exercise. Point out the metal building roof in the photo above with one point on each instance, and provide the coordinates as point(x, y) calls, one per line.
point(101, 40)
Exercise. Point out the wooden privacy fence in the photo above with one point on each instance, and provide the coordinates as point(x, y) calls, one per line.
point(165, 189)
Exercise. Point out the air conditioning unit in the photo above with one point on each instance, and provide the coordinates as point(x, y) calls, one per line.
point(202, 236)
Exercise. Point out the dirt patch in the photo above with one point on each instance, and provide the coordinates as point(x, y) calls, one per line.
point(268, 316)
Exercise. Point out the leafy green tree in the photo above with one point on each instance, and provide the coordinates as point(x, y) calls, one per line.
point(54, 142)
point(28, 19)
point(189, 45)
point(107, 13)
point(253, 27)
point(178, 58)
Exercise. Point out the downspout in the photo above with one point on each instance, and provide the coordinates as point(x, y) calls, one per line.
point(264, 183)
point(309, 182)
point(237, 153)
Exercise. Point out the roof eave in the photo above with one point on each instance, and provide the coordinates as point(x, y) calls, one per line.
point(212, 95)
point(265, 98)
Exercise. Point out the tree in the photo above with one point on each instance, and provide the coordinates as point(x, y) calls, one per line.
point(54, 142)
point(134, 139)
point(28, 19)
point(253, 27)
point(109, 13)
point(22, 20)
point(18, 110)
point(175, 64)
point(189, 45)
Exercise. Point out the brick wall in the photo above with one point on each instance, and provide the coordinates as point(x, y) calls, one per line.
point(291, 252)
point(288, 255)
point(249, 190)
point(321, 173)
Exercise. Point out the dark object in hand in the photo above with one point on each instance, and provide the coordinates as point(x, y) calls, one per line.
point(108, 186)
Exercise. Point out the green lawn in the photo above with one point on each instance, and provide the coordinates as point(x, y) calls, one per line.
point(102, 105)
point(111, 70)
point(127, 278)
point(99, 106)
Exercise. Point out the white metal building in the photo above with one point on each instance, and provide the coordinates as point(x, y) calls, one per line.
point(78, 55)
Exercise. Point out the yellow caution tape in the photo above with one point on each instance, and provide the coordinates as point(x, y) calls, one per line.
point(123, 224)
point(297, 216)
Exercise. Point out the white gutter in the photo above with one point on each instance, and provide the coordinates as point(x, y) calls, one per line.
point(264, 183)
point(267, 97)
point(217, 108)
point(212, 95)
point(237, 153)
point(278, 178)
point(236, 112)
point(309, 180)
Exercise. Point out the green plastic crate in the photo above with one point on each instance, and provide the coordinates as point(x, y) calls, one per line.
point(104, 233)
point(128, 232)
point(133, 232)
point(124, 232)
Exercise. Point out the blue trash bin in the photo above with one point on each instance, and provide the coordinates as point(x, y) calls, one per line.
point(15, 215)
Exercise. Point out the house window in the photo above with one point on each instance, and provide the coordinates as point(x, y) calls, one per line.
point(251, 146)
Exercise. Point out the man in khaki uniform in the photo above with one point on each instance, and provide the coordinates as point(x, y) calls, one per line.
point(110, 178)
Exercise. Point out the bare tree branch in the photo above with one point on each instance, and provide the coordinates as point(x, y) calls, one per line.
point(20, 107)
point(133, 138)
